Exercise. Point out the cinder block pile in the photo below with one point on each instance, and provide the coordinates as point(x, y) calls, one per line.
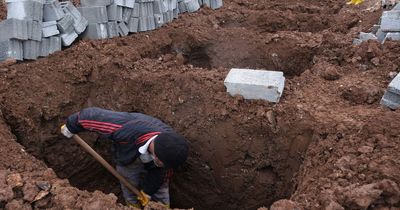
point(37, 28)
point(255, 84)
point(387, 29)
point(391, 98)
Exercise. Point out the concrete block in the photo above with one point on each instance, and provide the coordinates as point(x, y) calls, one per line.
point(49, 29)
point(133, 24)
point(157, 7)
point(255, 84)
point(52, 11)
point(68, 38)
point(44, 47)
point(215, 4)
point(207, 3)
point(94, 3)
point(380, 35)
point(94, 14)
point(395, 36)
point(182, 7)
point(390, 21)
point(112, 29)
point(80, 23)
point(11, 49)
point(367, 36)
point(114, 12)
point(125, 3)
point(146, 23)
point(175, 13)
point(25, 10)
point(35, 30)
point(191, 5)
point(13, 29)
point(122, 29)
point(31, 49)
point(96, 31)
point(136, 9)
point(396, 8)
point(55, 44)
point(126, 14)
point(66, 24)
point(146, 9)
point(159, 20)
point(390, 100)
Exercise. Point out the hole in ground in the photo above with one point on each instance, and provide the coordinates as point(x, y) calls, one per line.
point(238, 158)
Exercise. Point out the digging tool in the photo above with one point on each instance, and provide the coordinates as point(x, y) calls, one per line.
point(142, 197)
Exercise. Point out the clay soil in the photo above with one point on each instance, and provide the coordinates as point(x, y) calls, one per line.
point(328, 144)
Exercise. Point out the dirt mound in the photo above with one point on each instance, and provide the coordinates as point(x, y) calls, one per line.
point(327, 144)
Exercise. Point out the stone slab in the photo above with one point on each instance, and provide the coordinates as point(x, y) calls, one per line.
point(11, 49)
point(31, 49)
point(14, 29)
point(96, 14)
point(255, 84)
point(390, 21)
point(25, 10)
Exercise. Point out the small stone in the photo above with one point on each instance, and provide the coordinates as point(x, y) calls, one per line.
point(375, 61)
point(15, 180)
point(392, 74)
point(365, 149)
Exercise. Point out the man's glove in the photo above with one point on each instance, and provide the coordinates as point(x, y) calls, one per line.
point(355, 2)
point(66, 132)
point(143, 199)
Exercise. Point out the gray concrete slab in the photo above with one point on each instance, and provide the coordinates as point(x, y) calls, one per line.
point(80, 23)
point(114, 12)
point(25, 10)
point(255, 84)
point(13, 29)
point(380, 35)
point(52, 11)
point(96, 31)
point(216, 4)
point(122, 29)
point(126, 14)
point(136, 9)
point(11, 49)
point(55, 44)
point(94, 14)
point(191, 5)
point(66, 24)
point(68, 38)
point(390, 100)
point(44, 47)
point(125, 3)
point(91, 3)
point(133, 24)
point(31, 49)
point(112, 29)
point(390, 21)
point(35, 30)
point(50, 29)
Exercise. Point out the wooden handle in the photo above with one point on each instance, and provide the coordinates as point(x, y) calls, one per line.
point(103, 162)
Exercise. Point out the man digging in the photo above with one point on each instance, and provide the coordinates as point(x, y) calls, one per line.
point(145, 149)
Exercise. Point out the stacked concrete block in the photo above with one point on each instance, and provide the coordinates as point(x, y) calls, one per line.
point(94, 3)
point(389, 28)
point(52, 11)
point(31, 49)
point(96, 14)
point(35, 30)
point(14, 29)
point(114, 12)
point(80, 23)
point(188, 6)
point(96, 31)
point(391, 98)
point(122, 29)
point(255, 84)
point(112, 29)
point(213, 4)
point(50, 29)
point(125, 3)
point(49, 46)
point(11, 49)
point(25, 9)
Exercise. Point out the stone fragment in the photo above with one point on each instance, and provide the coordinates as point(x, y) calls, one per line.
point(255, 84)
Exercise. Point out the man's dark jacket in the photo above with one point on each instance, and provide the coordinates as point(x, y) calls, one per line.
point(128, 132)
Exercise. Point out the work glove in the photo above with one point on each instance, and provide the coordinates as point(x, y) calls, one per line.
point(355, 2)
point(143, 199)
point(66, 132)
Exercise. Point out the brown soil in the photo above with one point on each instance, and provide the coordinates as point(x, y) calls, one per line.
point(327, 144)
